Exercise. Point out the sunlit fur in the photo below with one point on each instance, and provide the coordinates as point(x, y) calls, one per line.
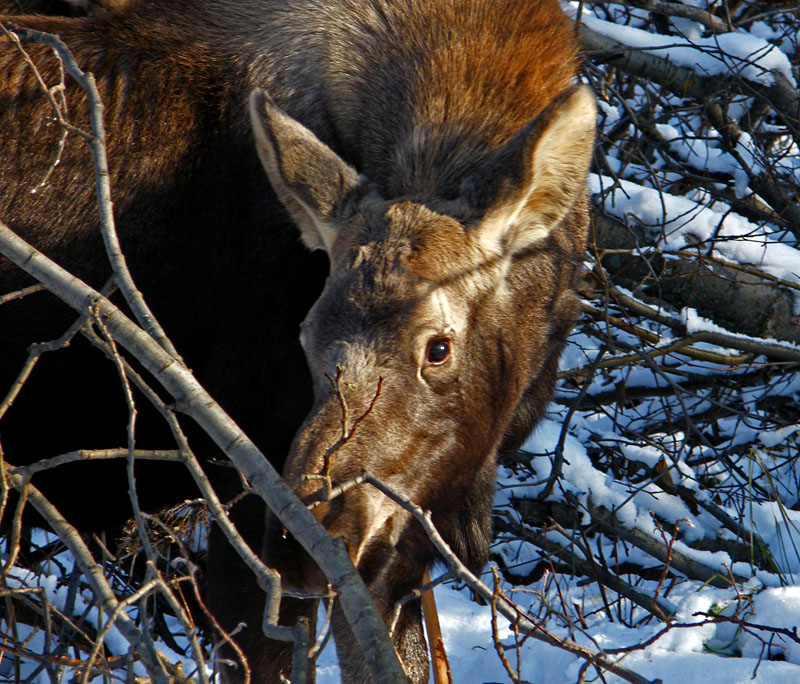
point(401, 138)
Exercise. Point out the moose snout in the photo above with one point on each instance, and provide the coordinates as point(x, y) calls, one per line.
point(337, 443)
point(367, 522)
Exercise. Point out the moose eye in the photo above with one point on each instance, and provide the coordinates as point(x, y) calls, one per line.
point(438, 351)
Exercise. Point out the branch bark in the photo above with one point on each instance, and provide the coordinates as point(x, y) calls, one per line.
point(330, 555)
point(674, 9)
point(687, 82)
point(733, 296)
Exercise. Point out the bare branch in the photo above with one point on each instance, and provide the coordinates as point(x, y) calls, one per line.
point(94, 575)
point(687, 82)
point(97, 143)
point(329, 554)
point(675, 9)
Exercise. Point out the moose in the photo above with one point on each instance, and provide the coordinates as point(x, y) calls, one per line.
point(381, 201)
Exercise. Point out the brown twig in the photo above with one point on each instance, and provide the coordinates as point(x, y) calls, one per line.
point(514, 676)
point(347, 433)
point(442, 673)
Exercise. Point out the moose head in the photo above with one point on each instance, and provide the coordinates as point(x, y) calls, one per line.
point(435, 340)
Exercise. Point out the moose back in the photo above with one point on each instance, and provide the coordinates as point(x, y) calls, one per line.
point(408, 257)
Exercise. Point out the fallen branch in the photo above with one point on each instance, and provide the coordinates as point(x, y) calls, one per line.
point(578, 566)
point(740, 297)
point(673, 9)
point(607, 521)
point(688, 82)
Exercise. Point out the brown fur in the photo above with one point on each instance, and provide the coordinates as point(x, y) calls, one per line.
point(69, 8)
point(402, 138)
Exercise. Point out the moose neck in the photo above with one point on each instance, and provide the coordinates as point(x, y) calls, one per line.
point(399, 88)
point(401, 99)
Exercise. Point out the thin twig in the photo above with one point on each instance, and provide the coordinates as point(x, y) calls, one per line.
point(24, 292)
point(97, 143)
point(510, 611)
point(83, 557)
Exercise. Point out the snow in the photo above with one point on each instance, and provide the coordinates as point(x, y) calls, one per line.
point(681, 656)
point(684, 223)
point(57, 595)
point(777, 608)
point(747, 55)
point(696, 323)
point(773, 437)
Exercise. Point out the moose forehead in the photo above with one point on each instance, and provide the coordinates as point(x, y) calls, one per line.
point(409, 243)
point(399, 266)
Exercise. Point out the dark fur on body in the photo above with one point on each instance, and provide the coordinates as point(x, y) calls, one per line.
point(66, 8)
point(419, 98)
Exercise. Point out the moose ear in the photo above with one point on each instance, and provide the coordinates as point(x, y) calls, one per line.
point(534, 180)
point(311, 180)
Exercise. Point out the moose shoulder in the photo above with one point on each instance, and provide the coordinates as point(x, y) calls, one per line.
point(432, 159)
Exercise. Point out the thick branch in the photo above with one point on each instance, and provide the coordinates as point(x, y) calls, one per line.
point(739, 298)
point(329, 554)
point(686, 82)
point(674, 9)
point(607, 521)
